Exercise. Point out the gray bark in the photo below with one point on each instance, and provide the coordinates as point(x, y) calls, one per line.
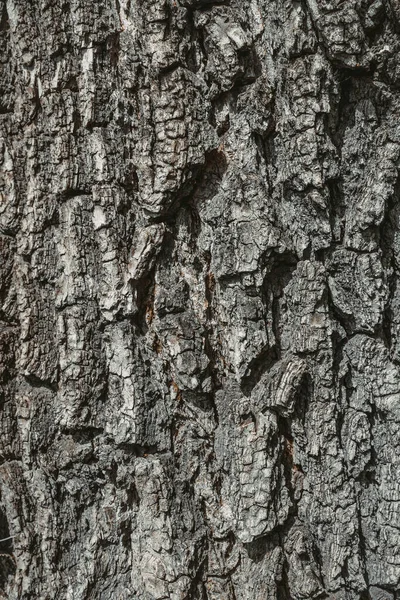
point(200, 299)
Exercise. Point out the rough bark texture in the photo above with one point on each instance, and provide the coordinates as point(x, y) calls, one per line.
point(200, 299)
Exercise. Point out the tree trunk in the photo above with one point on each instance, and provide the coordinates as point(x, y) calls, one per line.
point(200, 299)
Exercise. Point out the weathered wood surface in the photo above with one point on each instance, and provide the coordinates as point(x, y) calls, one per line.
point(200, 299)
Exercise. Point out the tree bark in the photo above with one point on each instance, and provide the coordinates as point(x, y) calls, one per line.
point(200, 299)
